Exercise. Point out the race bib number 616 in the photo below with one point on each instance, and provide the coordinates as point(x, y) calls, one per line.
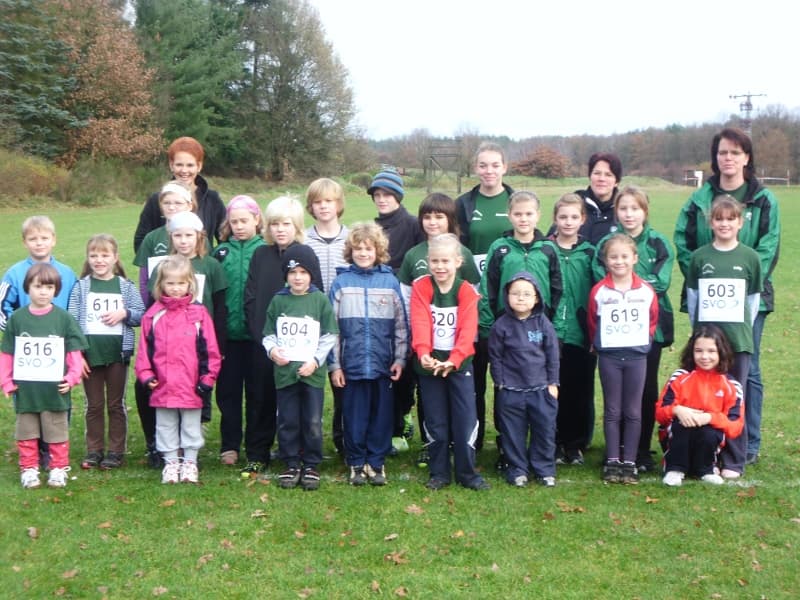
point(38, 358)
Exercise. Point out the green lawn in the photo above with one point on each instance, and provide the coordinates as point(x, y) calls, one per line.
point(123, 535)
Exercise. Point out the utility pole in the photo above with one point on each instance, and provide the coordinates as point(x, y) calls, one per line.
point(746, 107)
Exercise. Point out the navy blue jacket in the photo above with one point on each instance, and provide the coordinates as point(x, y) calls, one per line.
point(523, 353)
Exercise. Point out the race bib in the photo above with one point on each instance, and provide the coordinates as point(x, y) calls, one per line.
point(153, 262)
point(624, 325)
point(298, 337)
point(721, 300)
point(480, 262)
point(200, 281)
point(38, 358)
point(444, 327)
point(97, 305)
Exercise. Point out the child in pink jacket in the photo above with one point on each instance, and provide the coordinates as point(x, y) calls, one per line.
point(179, 360)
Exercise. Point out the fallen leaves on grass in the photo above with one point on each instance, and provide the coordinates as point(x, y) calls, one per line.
point(402, 591)
point(548, 516)
point(33, 532)
point(299, 535)
point(649, 500)
point(375, 586)
point(104, 525)
point(264, 498)
point(227, 544)
point(204, 559)
point(159, 590)
point(390, 537)
point(305, 593)
point(413, 509)
point(457, 534)
point(566, 507)
point(258, 514)
point(69, 574)
point(167, 503)
point(398, 558)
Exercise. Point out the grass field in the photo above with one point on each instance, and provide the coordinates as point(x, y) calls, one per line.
point(122, 534)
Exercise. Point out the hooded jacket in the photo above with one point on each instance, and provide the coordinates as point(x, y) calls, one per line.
point(523, 353)
point(177, 348)
point(761, 231)
point(235, 256)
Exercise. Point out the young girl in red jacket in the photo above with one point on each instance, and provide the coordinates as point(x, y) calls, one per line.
point(178, 360)
point(700, 408)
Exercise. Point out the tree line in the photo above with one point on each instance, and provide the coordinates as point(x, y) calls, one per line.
point(260, 86)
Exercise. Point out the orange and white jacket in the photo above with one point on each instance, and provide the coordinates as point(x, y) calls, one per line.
point(716, 393)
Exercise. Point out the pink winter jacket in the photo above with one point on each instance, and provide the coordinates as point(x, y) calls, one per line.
point(178, 348)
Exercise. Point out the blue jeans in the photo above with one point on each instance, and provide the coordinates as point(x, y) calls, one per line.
point(300, 425)
point(367, 419)
point(754, 393)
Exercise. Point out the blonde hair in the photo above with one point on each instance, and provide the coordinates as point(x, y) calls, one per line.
point(367, 232)
point(36, 223)
point(200, 248)
point(619, 238)
point(524, 196)
point(569, 199)
point(322, 188)
point(178, 189)
point(102, 242)
point(724, 204)
point(284, 207)
point(445, 240)
point(638, 194)
point(175, 263)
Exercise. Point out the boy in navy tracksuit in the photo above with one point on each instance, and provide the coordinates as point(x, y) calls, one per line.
point(523, 357)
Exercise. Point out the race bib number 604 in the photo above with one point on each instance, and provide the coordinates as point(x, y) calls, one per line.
point(298, 338)
point(38, 358)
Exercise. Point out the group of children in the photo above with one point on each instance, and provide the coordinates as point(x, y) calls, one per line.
point(266, 316)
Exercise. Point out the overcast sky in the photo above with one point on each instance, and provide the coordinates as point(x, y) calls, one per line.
point(560, 67)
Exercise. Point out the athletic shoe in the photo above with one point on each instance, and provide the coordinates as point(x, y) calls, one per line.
point(113, 460)
point(310, 479)
point(229, 457)
point(436, 484)
point(171, 473)
point(423, 458)
point(289, 478)
point(478, 484)
point(548, 481)
point(574, 456)
point(189, 472)
point(30, 478)
point(400, 444)
point(408, 426)
point(58, 477)
point(376, 477)
point(520, 481)
point(752, 458)
point(612, 472)
point(730, 474)
point(561, 456)
point(630, 474)
point(673, 478)
point(501, 464)
point(645, 463)
point(712, 478)
point(154, 459)
point(252, 469)
point(92, 460)
point(357, 476)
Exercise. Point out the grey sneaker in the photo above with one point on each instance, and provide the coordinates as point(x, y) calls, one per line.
point(357, 476)
point(376, 477)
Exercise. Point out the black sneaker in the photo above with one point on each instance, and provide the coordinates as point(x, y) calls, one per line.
point(92, 460)
point(573, 456)
point(561, 456)
point(357, 476)
point(478, 484)
point(309, 481)
point(252, 469)
point(113, 460)
point(291, 477)
point(375, 476)
point(752, 458)
point(501, 464)
point(645, 463)
point(423, 458)
point(154, 459)
point(612, 472)
point(436, 484)
point(630, 474)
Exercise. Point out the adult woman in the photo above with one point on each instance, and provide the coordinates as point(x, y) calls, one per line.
point(732, 164)
point(605, 173)
point(185, 162)
point(481, 214)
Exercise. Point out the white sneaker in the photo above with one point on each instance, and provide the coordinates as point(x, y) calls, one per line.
point(189, 472)
point(30, 478)
point(171, 472)
point(673, 478)
point(58, 477)
point(520, 481)
point(730, 474)
point(712, 478)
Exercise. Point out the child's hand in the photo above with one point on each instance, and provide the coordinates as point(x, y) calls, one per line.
point(64, 387)
point(553, 389)
point(153, 384)
point(86, 370)
point(690, 417)
point(427, 362)
point(396, 371)
point(276, 356)
point(337, 378)
point(115, 316)
point(307, 368)
point(443, 367)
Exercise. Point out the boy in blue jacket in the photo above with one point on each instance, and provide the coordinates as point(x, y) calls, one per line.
point(523, 357)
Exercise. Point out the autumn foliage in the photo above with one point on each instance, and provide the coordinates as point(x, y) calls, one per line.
point(113, 85)
point(542, 162)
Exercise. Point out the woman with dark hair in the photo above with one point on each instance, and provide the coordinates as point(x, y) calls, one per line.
point(185, 156)
point(605, 173)
point(733, 166)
